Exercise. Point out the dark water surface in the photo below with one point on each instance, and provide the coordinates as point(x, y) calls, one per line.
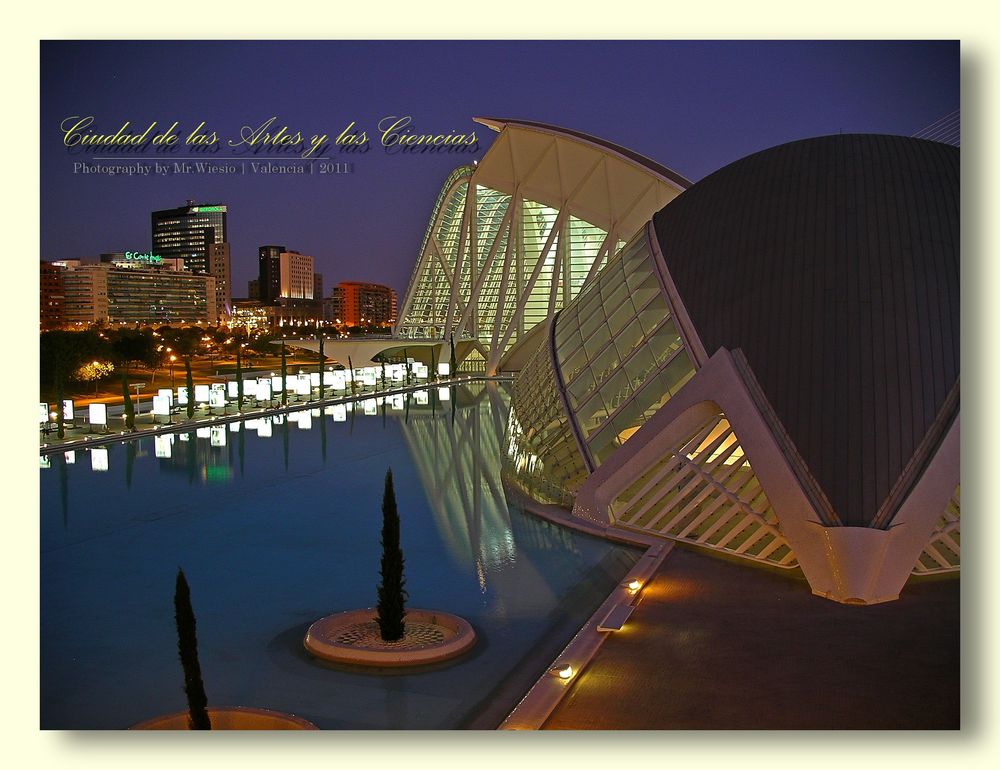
point(275, 531)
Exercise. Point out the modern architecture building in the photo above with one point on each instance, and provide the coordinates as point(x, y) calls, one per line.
point(362, 304)
point(197, 234)
point(764, 364)
point(284, 273)
point(51, 296)
point(253, 288)
point(317, 286)
point(218, 268)
point(269, 273)
point(769, 369)
point(188, 231)
point(295, 275)
point(517, 236)
point(124, 293)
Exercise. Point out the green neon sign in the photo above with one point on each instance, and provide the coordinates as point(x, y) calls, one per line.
point(134, 256)
point(207, 209)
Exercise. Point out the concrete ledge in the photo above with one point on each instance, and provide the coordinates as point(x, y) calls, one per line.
point(541, 700)
point(348, 637)
point(231, 718)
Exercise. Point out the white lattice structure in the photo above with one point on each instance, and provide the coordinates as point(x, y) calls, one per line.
point(518, 236)
point(944, 552)
point(705, 492)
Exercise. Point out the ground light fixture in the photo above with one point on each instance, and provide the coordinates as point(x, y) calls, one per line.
point(633, 585)
point(562, 671)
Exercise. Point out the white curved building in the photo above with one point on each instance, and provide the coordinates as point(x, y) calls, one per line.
point(516, 238)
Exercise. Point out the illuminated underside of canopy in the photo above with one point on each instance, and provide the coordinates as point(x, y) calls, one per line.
point(517, 237)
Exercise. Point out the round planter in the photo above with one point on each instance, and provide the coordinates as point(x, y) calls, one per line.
point(231, 718)
point(353, 638)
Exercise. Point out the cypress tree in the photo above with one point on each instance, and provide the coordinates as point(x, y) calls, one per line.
point(453, 366)
point(239, 375)
point(60, 417)
point(189, 384)
point(284, 375)
point(322, 388)
point(129, 407)
point(391, 592)
point(434, 374)
point(350, 368)
point(187, 644)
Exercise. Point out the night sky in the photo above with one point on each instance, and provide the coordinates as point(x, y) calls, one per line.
point(691, 106)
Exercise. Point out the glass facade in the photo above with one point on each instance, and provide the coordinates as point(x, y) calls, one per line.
point(618, 357)
point(426, 301)
point(619, 352)
point(542, 458)
point(493, 263)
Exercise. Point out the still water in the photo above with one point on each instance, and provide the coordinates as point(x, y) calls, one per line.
point(276, 523)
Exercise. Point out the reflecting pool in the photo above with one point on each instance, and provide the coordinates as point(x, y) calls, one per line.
point(276, 523)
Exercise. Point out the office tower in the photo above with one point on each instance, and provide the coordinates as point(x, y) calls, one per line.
point(296, 275)
point(218, 268)
point(188, 231)
point(284, 274)
point(269, 273)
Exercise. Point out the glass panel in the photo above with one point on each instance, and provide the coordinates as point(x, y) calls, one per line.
point(574, 365)
point(605, 363)
point(621, 315)
point(629, 339)
point(596, 343)
point(567, 341)
point(614, 294)
point(580, 387)
point(649, 288)
point(639, 366)
point(665, 341)
point(653, 314)
point(603, 444)
point(591, 414)
point(676, 373)
point(590, 322)
point(616, 389)
point(628, 420)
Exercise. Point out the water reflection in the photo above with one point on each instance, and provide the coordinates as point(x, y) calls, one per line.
point(454, 436)
point(272, 549)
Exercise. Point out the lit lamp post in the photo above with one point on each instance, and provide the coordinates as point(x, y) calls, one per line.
point(172, 359)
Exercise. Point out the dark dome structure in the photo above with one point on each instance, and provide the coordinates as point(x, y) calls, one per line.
point(833, 265)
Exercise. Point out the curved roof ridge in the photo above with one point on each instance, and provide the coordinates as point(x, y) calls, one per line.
point(497, 124)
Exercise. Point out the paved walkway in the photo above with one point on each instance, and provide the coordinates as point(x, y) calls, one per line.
point(717, 645)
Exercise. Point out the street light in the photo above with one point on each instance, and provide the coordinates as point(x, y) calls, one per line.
point(172, 359)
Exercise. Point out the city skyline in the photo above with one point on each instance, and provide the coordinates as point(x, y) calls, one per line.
point(694, 106)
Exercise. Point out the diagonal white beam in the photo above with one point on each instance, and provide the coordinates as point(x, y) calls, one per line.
point(509, 256)
point(456, 284)
point(487, 265)
point(444, 268)
point(595, 268)
point(530, 284)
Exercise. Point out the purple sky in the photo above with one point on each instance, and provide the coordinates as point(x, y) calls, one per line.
point(692, 106)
